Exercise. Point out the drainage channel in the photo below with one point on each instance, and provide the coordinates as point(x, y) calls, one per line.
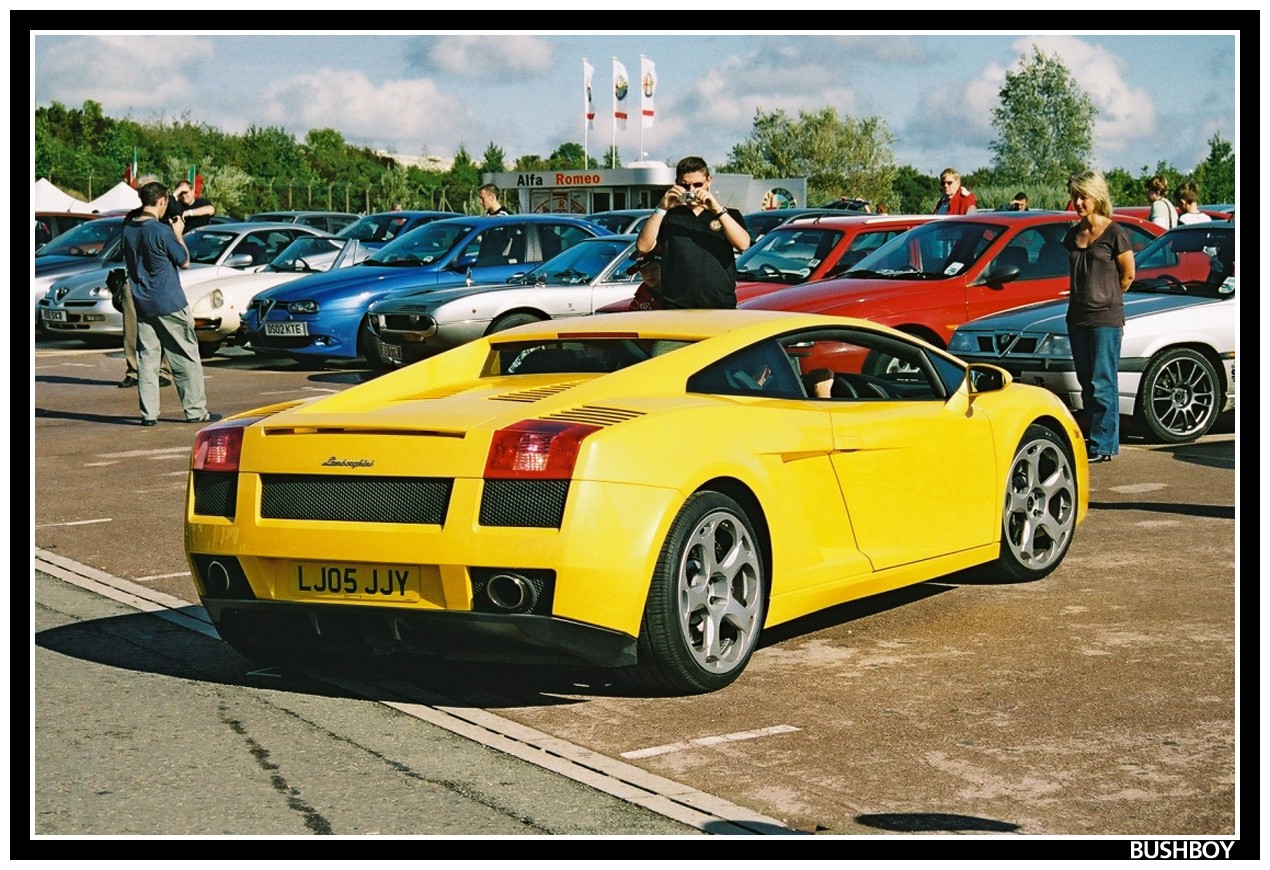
point(663, 796)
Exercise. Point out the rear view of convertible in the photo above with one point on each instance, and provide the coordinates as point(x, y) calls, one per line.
point(644, 491)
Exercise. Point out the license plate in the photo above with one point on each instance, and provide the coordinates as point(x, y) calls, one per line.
point(337, 581)
point(55, 315)
point(390, 352)
point(297, 328)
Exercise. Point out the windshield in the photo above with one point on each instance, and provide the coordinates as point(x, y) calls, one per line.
point(85, 240)
point(308, 254)
point(376, 228)
point(1188, 261)
point(939, 249)
point(583, 263)
point(614, 223)
point(786, 255)
point(206, 246)
point(423, 245)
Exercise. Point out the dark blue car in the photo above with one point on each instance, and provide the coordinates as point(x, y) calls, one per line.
point(376, 230)
point(323, 316)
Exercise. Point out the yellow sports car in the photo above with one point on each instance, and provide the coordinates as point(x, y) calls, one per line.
point(642, 491)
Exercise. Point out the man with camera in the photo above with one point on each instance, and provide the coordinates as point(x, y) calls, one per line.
point(699, 240)
point(195, 211)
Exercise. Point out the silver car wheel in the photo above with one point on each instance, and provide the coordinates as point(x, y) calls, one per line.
point(1180, 396)
point(720, 592)
point(1040, 505)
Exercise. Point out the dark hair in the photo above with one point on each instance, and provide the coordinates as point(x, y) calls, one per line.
point(1187, 191)
point(153, 192)
point(490, 188)
point(689, 165)
point(1156, 184)
point(1020, 195)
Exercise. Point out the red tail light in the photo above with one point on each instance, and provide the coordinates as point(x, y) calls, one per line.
point(536, 450)
point(219, 447)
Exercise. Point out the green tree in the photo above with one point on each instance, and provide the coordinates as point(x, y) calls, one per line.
point(530, 163)
point(1044, 123)
point(494, 160)
point(569, 155)
point(915, 192)
point(839, 157)
point(1216, 175)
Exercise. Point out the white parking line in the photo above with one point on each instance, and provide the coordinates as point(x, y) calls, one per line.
point(709, 741)
point(163, 576)
point(76, 523)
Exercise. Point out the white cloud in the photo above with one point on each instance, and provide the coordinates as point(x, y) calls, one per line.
point(404, 114)
point(130, 72)
point(488, 57)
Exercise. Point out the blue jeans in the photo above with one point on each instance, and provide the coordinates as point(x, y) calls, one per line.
point(1096, 353)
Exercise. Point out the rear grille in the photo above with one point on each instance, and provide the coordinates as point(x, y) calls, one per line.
point(535, 394)
point(537, 504)
point(421, 500)
point(596, 414)
point(215, 493)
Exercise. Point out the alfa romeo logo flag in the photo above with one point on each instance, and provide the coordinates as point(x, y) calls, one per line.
point(647, 85)
point(621, 90)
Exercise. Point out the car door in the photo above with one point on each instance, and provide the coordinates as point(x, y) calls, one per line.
point(917, 473)
point(1042, 277)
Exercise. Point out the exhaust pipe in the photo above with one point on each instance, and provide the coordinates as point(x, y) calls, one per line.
point(217, 578)
point(511, 593)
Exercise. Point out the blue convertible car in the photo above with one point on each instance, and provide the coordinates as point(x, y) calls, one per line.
point(323, 316)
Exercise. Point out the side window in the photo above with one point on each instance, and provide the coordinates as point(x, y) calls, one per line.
point(859, 248)
point(859, 365)
point(499, 246)
point(559, 237)
point(1138, 237)
point(763, 369)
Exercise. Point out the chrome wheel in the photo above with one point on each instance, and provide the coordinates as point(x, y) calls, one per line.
point(719, 592)
point(1039, 517)
point(1180, 396)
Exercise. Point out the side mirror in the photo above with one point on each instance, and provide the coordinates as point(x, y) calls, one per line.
point(998, 275)
point(239, 261)
point(984, 378)
point(463, 264)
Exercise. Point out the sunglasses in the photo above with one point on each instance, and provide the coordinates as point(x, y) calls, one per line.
point(694, 185)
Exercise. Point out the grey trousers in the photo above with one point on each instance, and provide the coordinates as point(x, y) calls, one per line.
point(171, 335)
point(130, 336)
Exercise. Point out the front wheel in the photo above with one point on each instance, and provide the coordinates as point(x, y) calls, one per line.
point(706, 600)
point(1180, 396)
point(1039, 517)
point(207, 349)
point(368, 347)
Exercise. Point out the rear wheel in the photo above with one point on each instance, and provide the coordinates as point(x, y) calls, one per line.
point(706, 601)
point(507, 321)
point(208, 348)
point(1039, 517)
point(1180, 396)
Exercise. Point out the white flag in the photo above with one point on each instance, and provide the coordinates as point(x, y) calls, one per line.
point(648, 84)
point(588, 105)
point(621, 89)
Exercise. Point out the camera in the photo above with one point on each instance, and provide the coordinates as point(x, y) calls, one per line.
point(690, 196)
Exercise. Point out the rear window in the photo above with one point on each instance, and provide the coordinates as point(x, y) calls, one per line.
point(572, 356)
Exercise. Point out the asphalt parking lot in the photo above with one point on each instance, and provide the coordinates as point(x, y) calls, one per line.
point(1099, 701)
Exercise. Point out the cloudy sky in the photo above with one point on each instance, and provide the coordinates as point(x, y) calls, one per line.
point(1159, 96)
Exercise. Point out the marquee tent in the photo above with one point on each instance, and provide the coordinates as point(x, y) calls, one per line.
point(47, 196)
point(119, 197)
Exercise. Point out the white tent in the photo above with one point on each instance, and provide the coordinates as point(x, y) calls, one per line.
point(120, 197)
point(47, 196)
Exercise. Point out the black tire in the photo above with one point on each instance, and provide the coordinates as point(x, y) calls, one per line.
point(706, 601)
point(1038, 519)
point(507, 321)
point(207, 349)
point(1180, 397)
point(368, 347)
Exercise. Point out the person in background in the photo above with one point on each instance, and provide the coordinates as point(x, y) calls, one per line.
point(1186, 197)
point(953, 197)
point(488, 195)
point(1019, 203)
point(1102, 269)
point(648, 293)
point(699, 240)
point(153, 251)
point(123, 302)
point(194, 210)
point(1162, 211)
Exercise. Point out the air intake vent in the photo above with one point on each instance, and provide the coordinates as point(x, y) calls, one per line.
point(595, 414)
point(355, 499)
point(536, 395)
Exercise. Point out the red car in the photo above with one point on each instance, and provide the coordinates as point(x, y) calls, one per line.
point(943, 273)
point(813, 248)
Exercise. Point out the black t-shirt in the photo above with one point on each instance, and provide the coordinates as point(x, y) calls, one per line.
point(698, 263)
point(193, 222)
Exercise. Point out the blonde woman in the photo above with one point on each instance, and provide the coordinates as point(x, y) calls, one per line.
point(1102, 269)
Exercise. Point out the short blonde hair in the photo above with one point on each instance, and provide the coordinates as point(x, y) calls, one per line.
point(1091, 185)
point(950, 173)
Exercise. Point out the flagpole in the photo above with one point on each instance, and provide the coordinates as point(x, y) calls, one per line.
point(641, 113)
point(613, 151)
point(586, 107)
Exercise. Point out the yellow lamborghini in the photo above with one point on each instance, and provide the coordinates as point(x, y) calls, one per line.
point(642, 491)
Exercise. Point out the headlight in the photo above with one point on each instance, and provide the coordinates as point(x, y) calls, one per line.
point(1055, 345)
point(378, 321)
point(304, 306)
point(99, 293)
point(218, 298)
point(961, 342)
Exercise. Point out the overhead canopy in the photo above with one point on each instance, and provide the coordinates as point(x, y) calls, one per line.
point(121, 197)
point(47, 196)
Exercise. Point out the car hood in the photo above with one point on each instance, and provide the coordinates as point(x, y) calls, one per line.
point(749, 289)
point(60, 264)
point(354, 281)
point(434, 296)
point(832, 295)
point(1051, 317)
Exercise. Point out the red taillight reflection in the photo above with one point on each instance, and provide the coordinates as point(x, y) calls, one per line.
point(536, 449)
point(219, 447)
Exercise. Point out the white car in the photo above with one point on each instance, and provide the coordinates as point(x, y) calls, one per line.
point(218, 309)
point(79, 305)
point(1177, 356)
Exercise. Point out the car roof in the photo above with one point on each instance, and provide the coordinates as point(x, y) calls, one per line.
point(303, 212)
point(256, 226)
point(851, 219)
